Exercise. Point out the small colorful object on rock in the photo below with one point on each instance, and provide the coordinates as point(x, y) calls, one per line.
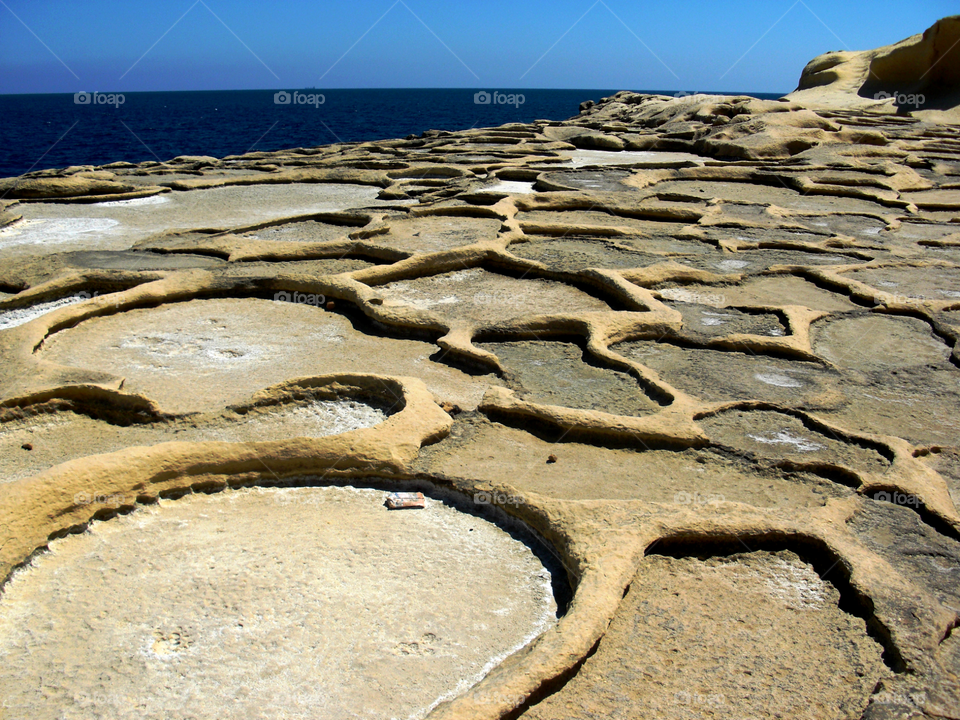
point(400, 500)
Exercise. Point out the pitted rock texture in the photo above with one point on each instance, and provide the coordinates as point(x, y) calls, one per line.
point(731, 621)
point(256, 597)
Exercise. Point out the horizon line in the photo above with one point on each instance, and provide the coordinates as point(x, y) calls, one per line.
point(464, 88)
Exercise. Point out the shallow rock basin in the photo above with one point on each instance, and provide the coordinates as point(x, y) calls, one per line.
point(56, 438)
point(589, 158)
point(434, 234)
point(511, 187)
point(295, 602)
point(754, 635)
point(558, 373)
point(479, 297)
point(301, 231)
point(48, 228)
point(222, 351)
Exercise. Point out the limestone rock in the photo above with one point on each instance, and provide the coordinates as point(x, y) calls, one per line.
point(917, 74)
point(584, 138)
point(61, 187)
point(706, 347)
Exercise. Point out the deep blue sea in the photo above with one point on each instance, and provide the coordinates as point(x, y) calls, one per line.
point(45, 131)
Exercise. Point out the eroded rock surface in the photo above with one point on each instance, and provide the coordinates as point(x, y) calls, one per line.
point(710, 319)
point(726, 637)
point(232, 577)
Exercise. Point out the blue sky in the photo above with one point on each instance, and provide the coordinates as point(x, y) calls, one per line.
point(709, 45)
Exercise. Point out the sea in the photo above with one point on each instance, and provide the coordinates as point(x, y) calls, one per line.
point(98, 128)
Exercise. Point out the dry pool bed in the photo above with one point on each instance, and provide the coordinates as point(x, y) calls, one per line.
point(259, 603)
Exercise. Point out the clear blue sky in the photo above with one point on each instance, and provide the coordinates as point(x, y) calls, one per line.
point(695, 45)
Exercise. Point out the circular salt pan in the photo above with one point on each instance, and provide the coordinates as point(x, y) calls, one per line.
point(203, 355)
point(298, 603)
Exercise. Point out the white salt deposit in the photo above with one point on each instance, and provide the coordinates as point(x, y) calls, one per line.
point(785, 437)
point(731, 264)
point(318, 601)
point(135, 202)
point(317, 418)
point(713, 319)
point(582, 158)
point(796, 584)
point(54, 230)
point(514, 187)
point(21, 316)
point(778, 380)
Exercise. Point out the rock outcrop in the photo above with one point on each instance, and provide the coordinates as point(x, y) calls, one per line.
point(921, 73)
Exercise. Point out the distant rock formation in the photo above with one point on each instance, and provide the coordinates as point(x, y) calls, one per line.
point(839, 96)
point(921, 73)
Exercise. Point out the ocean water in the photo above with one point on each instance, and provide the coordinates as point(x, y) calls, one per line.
point(46, 131)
